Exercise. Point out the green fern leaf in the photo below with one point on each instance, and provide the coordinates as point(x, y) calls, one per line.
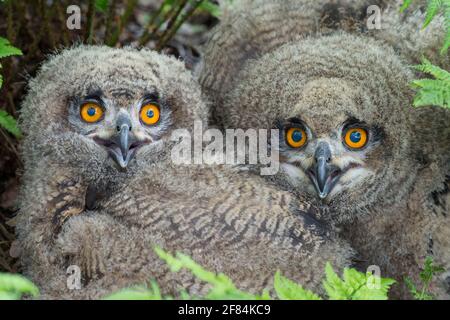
point(355, 285)
point(221, 286)
point(9, 296)
point(432, 91)
point(429, 270)
point(132, 294)
point(405, 5)
point(447, 24)
point(411, 287)
point(139, 293)
point(6, 49)
point(428, 67)
point(289, 290)
point(354, 280)
point(433, 7)
point(373, 288)
point(334, 286)
point(210, 7)
point(13, 286)
point(101, 5)
point(9, 123)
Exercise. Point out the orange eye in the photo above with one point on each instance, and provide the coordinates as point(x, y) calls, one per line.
point(150, 114)
point(296, 137)
point(355, 138)
point(91, 112)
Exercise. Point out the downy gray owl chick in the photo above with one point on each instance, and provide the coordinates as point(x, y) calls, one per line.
point(100, 189)
point(348, 135)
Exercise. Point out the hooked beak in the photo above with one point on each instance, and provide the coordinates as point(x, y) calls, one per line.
point(122, 146)
point(122, 153)
point(323, 175)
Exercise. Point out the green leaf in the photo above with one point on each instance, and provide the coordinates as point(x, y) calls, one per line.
point(138, 293)
point(101, 5)
point(429, 97)
point(334, 286)
point(411, 287)
point(405, 5)
point(432, 9)
point(9, 296)
point(355, 285)
point(418, 295)
point(211, 8)
point(13, 286)
point(373, 288)
point(429, 270)
point(9, 123)
point(6, 49)
point(221, 286)
point(428, 67)
point(447, 24)
point(432, 91)
point(289, 290)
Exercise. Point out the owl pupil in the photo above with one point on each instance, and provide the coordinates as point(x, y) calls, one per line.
point(297, 136)
point(355, 136)
point(91, 112)
point(150, 113)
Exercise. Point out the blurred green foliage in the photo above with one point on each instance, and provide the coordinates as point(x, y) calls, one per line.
point(14, 286)
point(353, 286)
point(6, 120)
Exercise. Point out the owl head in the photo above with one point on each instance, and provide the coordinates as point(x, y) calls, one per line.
point(341, 104)
point(103, 110)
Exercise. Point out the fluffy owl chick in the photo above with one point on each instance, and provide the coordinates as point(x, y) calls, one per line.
point(251, 28)
point(100, 189)
point(348, 135)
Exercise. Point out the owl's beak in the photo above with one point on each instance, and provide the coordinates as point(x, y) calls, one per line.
point(322, 173)
point(123, 144)
point(122, 152)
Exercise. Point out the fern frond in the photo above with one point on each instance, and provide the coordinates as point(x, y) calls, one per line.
point(355, 285)
point(8, 123)
point(375, 288)
point(435, 71)
point(6, 49)
point(101, 5)
point(433, 7)
point(210, 7)
point(334, 286)
point(405, 5)
point(432, 91)
point(447, 25)
point(430, 270)
point(139, 293)
point(222, 286)
point(289, 290)
point(13, 286)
